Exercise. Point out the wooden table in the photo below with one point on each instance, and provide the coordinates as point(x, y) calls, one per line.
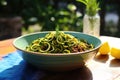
point(100, 68)
point(6, 47)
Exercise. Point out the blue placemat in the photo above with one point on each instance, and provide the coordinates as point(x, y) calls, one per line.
point(13, 67)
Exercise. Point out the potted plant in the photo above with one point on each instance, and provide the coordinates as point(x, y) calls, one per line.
point(91, 20)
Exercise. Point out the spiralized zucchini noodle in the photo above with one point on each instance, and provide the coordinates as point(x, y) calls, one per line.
point(59, 43)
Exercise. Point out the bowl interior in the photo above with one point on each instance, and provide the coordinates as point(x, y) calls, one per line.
point(23, 41)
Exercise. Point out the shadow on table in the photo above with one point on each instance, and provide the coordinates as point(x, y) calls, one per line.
point(101, 58)
point(115, 63)
point(36, 74)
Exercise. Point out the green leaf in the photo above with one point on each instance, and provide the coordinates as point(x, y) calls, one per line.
point(57, 31)
point(92, 6)
point(83, 1)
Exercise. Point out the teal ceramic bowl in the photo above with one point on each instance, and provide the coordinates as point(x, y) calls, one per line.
point(56, 62)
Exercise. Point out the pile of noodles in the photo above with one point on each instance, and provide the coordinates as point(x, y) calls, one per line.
point(60, 42)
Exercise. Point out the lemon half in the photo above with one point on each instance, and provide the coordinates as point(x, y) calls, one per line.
point(104, 49)
point(115, 52)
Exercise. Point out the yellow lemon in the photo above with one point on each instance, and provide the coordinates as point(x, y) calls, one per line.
point(104, 49)
point(115, 52)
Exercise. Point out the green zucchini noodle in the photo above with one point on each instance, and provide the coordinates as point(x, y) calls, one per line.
point(59, 43)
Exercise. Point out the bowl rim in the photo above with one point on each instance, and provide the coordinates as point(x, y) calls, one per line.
point(57, 54)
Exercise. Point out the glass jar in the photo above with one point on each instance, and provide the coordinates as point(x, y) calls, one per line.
point(91, 25)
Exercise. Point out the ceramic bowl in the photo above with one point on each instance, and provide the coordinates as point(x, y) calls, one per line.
point(56, 62)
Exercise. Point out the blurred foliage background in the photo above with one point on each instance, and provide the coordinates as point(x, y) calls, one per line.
point(44, 15)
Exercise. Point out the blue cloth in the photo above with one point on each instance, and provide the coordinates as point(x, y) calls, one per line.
point(13, 67)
